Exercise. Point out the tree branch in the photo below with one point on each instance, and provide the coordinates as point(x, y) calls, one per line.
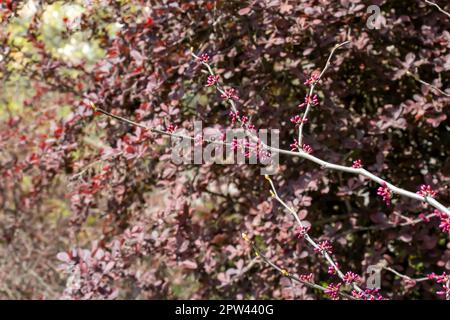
point(438, 7)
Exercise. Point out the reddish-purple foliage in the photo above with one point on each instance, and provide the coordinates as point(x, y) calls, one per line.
point(83, 180)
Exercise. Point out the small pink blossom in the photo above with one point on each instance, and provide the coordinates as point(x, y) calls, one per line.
point(248, 148)
point(264, 155)
point(171, 128)
point(357, 164)
point(313, 101)
point(445, 290)
point(443, 280)
point(298, 120)
point(424, 217)
point(324, 247)
point(307, 148)
point(409, 283)
point(426, 191)
point(332, 269)
point(312, 79)
point(234, 116)
point(212, 80)
point(230, 94)
point(373, 294)
point(302, 231)
point(333, 290)
point(351, 277)
point(368, 294)
point(204, 57)
point(431, 276)
point(306, 277)
point(385, 193)
point(444, 224)
point(234, 144)
point(294, 146)
point(198, 140)
point(357, 294)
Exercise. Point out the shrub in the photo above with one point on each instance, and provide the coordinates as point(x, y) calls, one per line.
point(75, 177)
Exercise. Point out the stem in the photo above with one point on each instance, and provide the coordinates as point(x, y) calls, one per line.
point(403, 276)
point(308, 238)
point(439, 8)
point(324, 164)
point(415, 77)
point(311, 92)
point(286, 273)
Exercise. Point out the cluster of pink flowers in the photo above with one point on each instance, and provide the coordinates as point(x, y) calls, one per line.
point(351, 277)
point(230, 94)
point(234, 144)
point(444, 225)
point(294, 146)
point(248, 149)
point(298, 120)
point(245, 123)
point(324, 246)
point(332, 269)
point(333, 290)
point(306, 277)
point(307, 148)
point(234, 116)
point(368, 294)
point(357, 164)
point(204, 57)
point(198, 140)
point(385, 193)
point(312, 79)
point(243, 119)
point(171, 128)
point(212, 80)
point(309, 101)
point(424, 217)
point(302, 231)
point(426, 191)
point(443, 280)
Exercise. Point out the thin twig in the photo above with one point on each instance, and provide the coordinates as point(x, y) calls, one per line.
point(415, 77)
point(308, 238)
point(85, 169)
point(286, 273)
point(311, 92)
point(438, 7)
point(242, 272)
point(155, 130)
point(403, 276)
point(384, 227)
